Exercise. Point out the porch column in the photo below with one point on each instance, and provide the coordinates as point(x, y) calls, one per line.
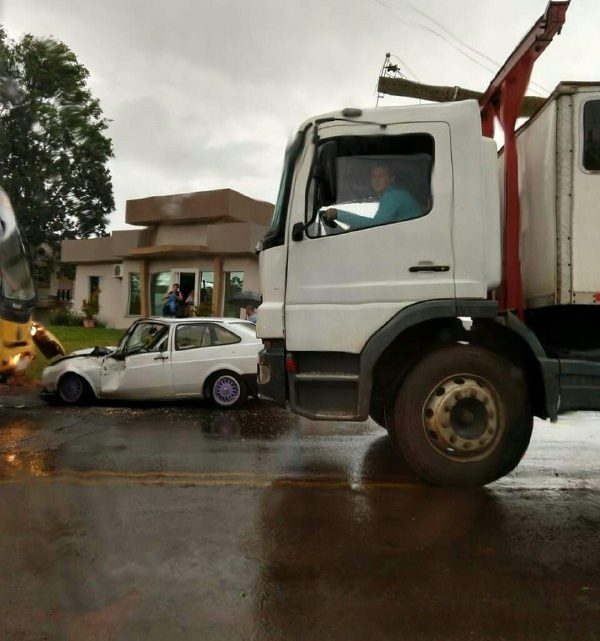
point(218, 286)
point(144, 289)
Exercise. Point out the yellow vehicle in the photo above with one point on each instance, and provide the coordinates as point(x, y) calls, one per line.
point(18, 332)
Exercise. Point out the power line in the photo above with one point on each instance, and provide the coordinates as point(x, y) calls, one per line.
point(459, 40)
point(419, 25)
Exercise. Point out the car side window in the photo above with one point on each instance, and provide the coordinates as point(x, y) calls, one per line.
point(147, 337)
point(222, 336)
point(192, 336)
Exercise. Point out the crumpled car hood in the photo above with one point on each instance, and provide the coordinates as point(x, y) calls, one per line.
point(88, 352)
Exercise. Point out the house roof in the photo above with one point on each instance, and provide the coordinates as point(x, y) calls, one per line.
point(166, 250)
point(221, 221)
point(218, 205)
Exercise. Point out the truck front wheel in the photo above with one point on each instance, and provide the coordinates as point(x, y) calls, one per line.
point(462, 417)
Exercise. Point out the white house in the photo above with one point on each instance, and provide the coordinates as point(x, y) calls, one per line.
point(205, 241)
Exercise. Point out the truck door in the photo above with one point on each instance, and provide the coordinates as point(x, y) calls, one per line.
point(389, 244)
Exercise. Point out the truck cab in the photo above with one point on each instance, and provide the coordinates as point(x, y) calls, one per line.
point(346, 281)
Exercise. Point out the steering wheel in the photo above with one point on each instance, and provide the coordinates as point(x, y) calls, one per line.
point(325, 225)
point(138, 348)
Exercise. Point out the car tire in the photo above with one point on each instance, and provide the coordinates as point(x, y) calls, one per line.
point(462, 417)
point(74, 390)
point(227, 390)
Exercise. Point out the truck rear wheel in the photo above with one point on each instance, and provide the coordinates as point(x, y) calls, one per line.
point(462, 417)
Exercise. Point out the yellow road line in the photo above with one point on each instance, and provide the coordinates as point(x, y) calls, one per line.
point(204, 479)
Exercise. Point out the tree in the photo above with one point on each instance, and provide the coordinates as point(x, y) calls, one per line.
point(53, 150)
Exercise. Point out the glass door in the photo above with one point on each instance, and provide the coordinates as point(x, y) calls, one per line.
point(234, 284)
point(188, 280)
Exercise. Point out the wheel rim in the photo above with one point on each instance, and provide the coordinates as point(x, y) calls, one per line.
point(226, 390)
point(71, 388)
point(463, 418)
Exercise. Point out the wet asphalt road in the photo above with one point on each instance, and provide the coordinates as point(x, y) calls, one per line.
point(184, 522)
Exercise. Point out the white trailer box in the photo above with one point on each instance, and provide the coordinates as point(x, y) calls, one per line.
point(559, 185)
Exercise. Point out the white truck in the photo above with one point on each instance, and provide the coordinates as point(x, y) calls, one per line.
point(401, 282)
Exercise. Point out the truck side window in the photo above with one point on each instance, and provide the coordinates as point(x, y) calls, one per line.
point(364, 182)
point(591, 135)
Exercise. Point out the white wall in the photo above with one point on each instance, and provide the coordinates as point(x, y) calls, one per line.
point(114, 292)
point(110, 290)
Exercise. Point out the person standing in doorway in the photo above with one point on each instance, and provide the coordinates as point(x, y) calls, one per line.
point(173, 298)
point(189, 304)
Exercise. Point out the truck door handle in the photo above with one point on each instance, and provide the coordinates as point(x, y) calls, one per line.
point(429, 268)
point(161, 358)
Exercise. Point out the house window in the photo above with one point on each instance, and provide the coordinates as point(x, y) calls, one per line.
point(134, 307)
point(234, 283)
point(159, 286)
point(94, 284)
point(207, 283)
point(591, 135)
point(204, 294)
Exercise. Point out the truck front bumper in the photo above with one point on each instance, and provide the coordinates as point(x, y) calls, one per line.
point(272, 385)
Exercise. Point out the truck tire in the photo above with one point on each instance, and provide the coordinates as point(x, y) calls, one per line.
point(462, 417)
point(377, 414)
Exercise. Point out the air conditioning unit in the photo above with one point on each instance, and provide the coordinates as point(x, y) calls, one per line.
point(118, 271)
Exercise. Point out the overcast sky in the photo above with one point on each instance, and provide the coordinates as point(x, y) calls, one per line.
point(205, 94)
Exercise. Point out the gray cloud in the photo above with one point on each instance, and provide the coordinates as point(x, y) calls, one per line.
point(204, 94)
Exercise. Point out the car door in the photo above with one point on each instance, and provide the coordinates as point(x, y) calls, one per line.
point(199, 349)
point(141, 369)
point(344, 284)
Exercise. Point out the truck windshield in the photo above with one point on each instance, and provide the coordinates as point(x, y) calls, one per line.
point(275, 234)
point(16, 283)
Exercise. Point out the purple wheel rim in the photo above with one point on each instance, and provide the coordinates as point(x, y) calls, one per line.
point(226, 390)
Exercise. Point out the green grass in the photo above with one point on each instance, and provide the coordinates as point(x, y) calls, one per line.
point(73, 338)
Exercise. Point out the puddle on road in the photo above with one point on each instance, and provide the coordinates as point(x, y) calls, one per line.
point(19, 464)
point(14, 431)
point(243, 424)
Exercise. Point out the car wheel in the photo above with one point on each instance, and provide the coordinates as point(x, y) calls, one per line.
point(228, 390)
point(462, 417)
point(74, 390)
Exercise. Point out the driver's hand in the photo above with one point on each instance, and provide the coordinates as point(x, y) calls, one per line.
point(330, 214)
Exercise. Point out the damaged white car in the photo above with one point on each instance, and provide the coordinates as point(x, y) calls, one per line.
point(163, 359)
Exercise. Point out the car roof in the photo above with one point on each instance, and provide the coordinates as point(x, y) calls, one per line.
point(194, 319)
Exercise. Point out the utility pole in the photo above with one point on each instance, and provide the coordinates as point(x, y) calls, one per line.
point(438, 93)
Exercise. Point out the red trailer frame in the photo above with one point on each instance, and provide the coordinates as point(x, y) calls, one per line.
point(502, 99)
